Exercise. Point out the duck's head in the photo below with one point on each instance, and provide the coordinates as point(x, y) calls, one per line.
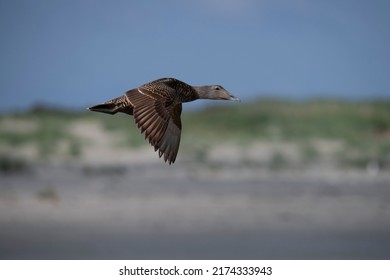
point(215, 92)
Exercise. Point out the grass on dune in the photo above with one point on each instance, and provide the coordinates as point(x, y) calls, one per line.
point(50, 128)
point(364, 127)
point(294, 120)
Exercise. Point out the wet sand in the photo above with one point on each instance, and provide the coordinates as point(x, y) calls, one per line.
point(184, 211)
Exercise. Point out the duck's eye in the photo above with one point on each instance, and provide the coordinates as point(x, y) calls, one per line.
point(217, 88)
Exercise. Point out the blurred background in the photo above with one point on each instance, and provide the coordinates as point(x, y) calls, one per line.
point(298, 170)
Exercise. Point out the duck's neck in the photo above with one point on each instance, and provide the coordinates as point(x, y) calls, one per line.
point(202, 92)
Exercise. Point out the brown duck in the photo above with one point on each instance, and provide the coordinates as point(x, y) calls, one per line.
point(156, 107)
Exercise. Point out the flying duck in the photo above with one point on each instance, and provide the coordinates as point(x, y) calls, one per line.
point(156, 107)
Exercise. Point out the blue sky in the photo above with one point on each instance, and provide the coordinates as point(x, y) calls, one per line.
point(78, 53)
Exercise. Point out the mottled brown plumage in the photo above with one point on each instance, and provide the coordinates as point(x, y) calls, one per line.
point(157, 106)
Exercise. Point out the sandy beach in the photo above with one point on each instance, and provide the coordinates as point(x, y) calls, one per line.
point(153, 211)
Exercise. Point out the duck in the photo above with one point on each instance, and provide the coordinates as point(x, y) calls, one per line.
point(157, 106)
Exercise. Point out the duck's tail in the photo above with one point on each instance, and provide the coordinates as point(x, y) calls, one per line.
point(112, 107)
point(108, 108)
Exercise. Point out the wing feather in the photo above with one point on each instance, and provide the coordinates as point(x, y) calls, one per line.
point(158, 117)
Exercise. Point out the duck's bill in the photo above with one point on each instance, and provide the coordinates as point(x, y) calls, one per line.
point(233, 98)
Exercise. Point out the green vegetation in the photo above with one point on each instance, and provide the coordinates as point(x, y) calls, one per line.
point(50, 128)
point(363, 129)
point(280, 120)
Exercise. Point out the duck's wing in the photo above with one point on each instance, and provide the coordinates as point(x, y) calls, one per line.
point(157, 115)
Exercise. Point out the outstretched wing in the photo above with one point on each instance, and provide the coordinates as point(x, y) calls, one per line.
point(158, 117)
